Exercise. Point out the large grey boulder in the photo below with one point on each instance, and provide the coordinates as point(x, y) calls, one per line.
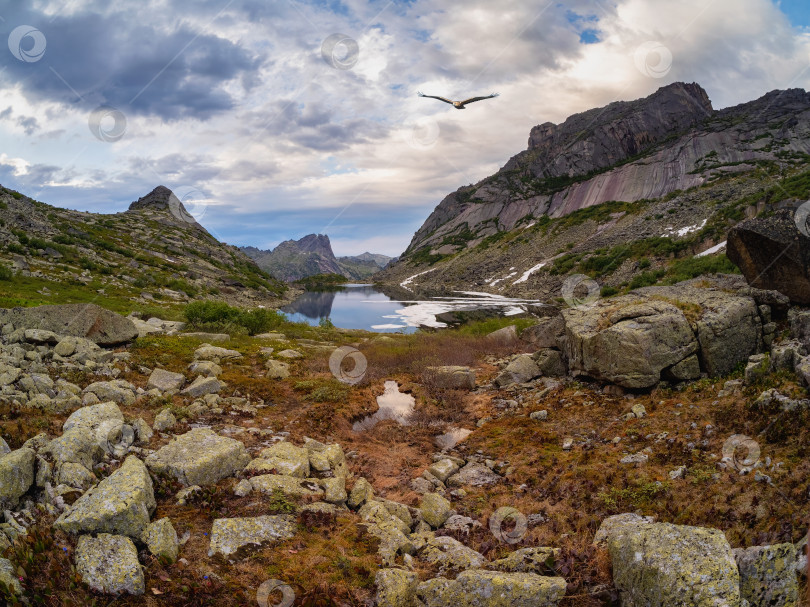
point(660, 564)
point(109, 564)
point(521, 369)
point(477, 588)
point(768, 575)
point(92, 416)
point(77, 444)
point(199, 457)
point(547, 333)
point(447, 554)
point(16, 474)
point(118, 391)
point(90, 321)
point(773, 253)
point(473, 474)
point(120, 504)
point(627, 340)
point(727, 325)
point(228, 535)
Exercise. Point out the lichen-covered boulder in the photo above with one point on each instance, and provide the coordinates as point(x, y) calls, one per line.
point(360, 493)
point(396, 588)
point(334, 490)
point(477, 588)
point(326, 459)
point(116, 391)
point(228, 535)
point(288, 485)
point(164, 421)
point(93, 416)
point(443, 469)
point(527, 560)
point(161, 539)
point(447, 553)
point(165, 381)
point(206, 352)
point(627, 340)
point(660, 564)
point(16, 474)
point(120, 504)
point(77, 445)
point(8, 575)
point(109, 564)
point(435, 509)
point(768, 575)
point(473, 474)
point(199, 457)
point(550, 362)
point(277, 369)
point(391, 530)
point(201, 386)
point(284, 458)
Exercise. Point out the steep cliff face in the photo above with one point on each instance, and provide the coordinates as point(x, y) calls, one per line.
point(626, 151)
point(629, 189)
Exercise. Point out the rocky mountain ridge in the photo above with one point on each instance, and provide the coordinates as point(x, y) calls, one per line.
point(295, 259)
point(154, 253)
point(597, 193)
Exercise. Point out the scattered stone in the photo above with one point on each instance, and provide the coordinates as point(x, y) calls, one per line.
point(214, 353)
point(539, 415)
point(277, 369)
point(8, 575)
point(361, 493)
point(639, 410)
point(550, 362)
point(16, 474)
point(677, 473)
point(201, 386)
point(165, 381)
point(435, 509)
point(443, 469)
point(334, 490)
point(243, 488)
point(568, 444)
point(448, 554)
point(228, 535)
point(759, 365)
point(635, 458)
point(528, 560)
point(109, 564)
point(519, 371)
point(478, 588)
point(164, 421)
point(200, 457)
point(205, 368)
point(473, 474)
point(283, 458)
point(120, 504)
point(452, 377)
point(288, 485)
point(161, 539)
point(117, 391)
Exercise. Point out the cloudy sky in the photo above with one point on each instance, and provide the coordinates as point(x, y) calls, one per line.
point(275, 119)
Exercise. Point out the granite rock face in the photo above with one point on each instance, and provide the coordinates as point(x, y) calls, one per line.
point(773, 254)
point(90, 321)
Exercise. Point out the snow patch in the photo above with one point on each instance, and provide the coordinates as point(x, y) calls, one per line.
point(670, 231)
point(409, 280)
point(712, 250)
point(529, 272)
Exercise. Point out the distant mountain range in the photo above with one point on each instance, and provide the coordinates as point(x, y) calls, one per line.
point(295, 259)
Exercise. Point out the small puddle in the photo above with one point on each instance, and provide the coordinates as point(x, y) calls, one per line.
point(451, 438)
point(392, 404)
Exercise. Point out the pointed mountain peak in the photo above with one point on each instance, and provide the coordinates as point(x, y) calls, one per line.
point(163, 199)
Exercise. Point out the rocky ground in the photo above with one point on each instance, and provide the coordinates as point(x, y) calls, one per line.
point(199, 469)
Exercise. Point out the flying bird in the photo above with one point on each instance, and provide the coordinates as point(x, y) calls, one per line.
point(459, 105)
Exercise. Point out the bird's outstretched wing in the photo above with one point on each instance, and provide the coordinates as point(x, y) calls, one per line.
point(435, 97)
point(471, 99)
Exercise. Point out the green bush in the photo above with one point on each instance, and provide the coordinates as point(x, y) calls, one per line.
point(260, 320)
point(208, 313)
point(6, 273)
point(219, 315)
point(608, 291)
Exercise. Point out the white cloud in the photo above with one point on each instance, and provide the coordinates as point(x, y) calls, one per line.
point(307, 136)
